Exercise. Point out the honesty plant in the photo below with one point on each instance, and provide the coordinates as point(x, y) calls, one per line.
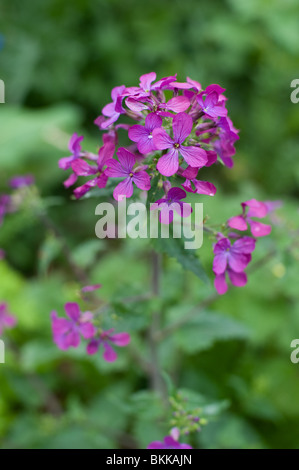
point(172, 131)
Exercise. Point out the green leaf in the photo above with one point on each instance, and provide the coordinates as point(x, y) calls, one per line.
point(174, 247)
point(202, 333)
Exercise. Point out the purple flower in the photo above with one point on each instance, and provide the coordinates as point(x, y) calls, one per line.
point(143, 134)
point(75, 149)
point(67, 332)
point(200, 187)
point(251, 208)
point(170, 203)
point(168, 164)
point(20, 181)
point(2, 254)
point(232, 259)
point(5, 206)
point(91, 288)
point(169, 442)
point(112, 110)
point(105, 339)
point(211, 106)
point(6, 319)
point(82, 168)
point(124, 169)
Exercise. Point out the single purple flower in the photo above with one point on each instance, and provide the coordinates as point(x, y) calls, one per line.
point(2, 254)
point(67, 332)
point(169, 442)
point(143, 134)
point(20, 181)
point(112, 110)
point(105, 339)
point(170, 203)
point(76, 150)
point(211, 106)
point(251, 208)
point(82, 168)
point(168, 164)
point(200, 187)
point(124, 169)
point(232, 259)
point(6, 319)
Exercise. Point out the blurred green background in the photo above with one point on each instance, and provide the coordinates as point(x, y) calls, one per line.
point(59, 61)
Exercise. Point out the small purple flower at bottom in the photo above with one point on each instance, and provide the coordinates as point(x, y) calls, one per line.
point(20, 181)
point(6, 319)
point(67, 332)
point(169, 442)
point(172, 202)
point(105, 338)
point(232, 259)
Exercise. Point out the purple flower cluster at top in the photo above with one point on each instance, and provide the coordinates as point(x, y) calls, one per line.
point(67, 332)
point(174, 136)
point(233, 253)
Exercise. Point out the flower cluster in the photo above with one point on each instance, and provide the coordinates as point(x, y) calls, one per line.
point(181, 128)
point(233, 252)
point(67, 332)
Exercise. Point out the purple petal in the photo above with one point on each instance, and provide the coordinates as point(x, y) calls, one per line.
point(220, 262)
point(237, 279)
point(146, 144)
point(152, 121)
point(168, 164)
point(123, 189)
point(87, 330)
point(220, 284)
point(120, 339)
point(81, 168)
point(142, 180)
point(72, 310)
point(65, 162)
point(204, 187)
point(109, 353)
point(237, 223)
point(212, 157)
point(256, 208)
point(182, 127)
point(194, 156)
point(161, 139)
point(238, 261)
point(176, 194)
point(136, 132)
point(258, 229)
point(93, 346)
point(146, 80)
point(244, 245)
point(178, 104)
point(126, 159)
point(70, 180)
point(115, 170)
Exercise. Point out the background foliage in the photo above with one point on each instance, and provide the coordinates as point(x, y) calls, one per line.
point(59, 61)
